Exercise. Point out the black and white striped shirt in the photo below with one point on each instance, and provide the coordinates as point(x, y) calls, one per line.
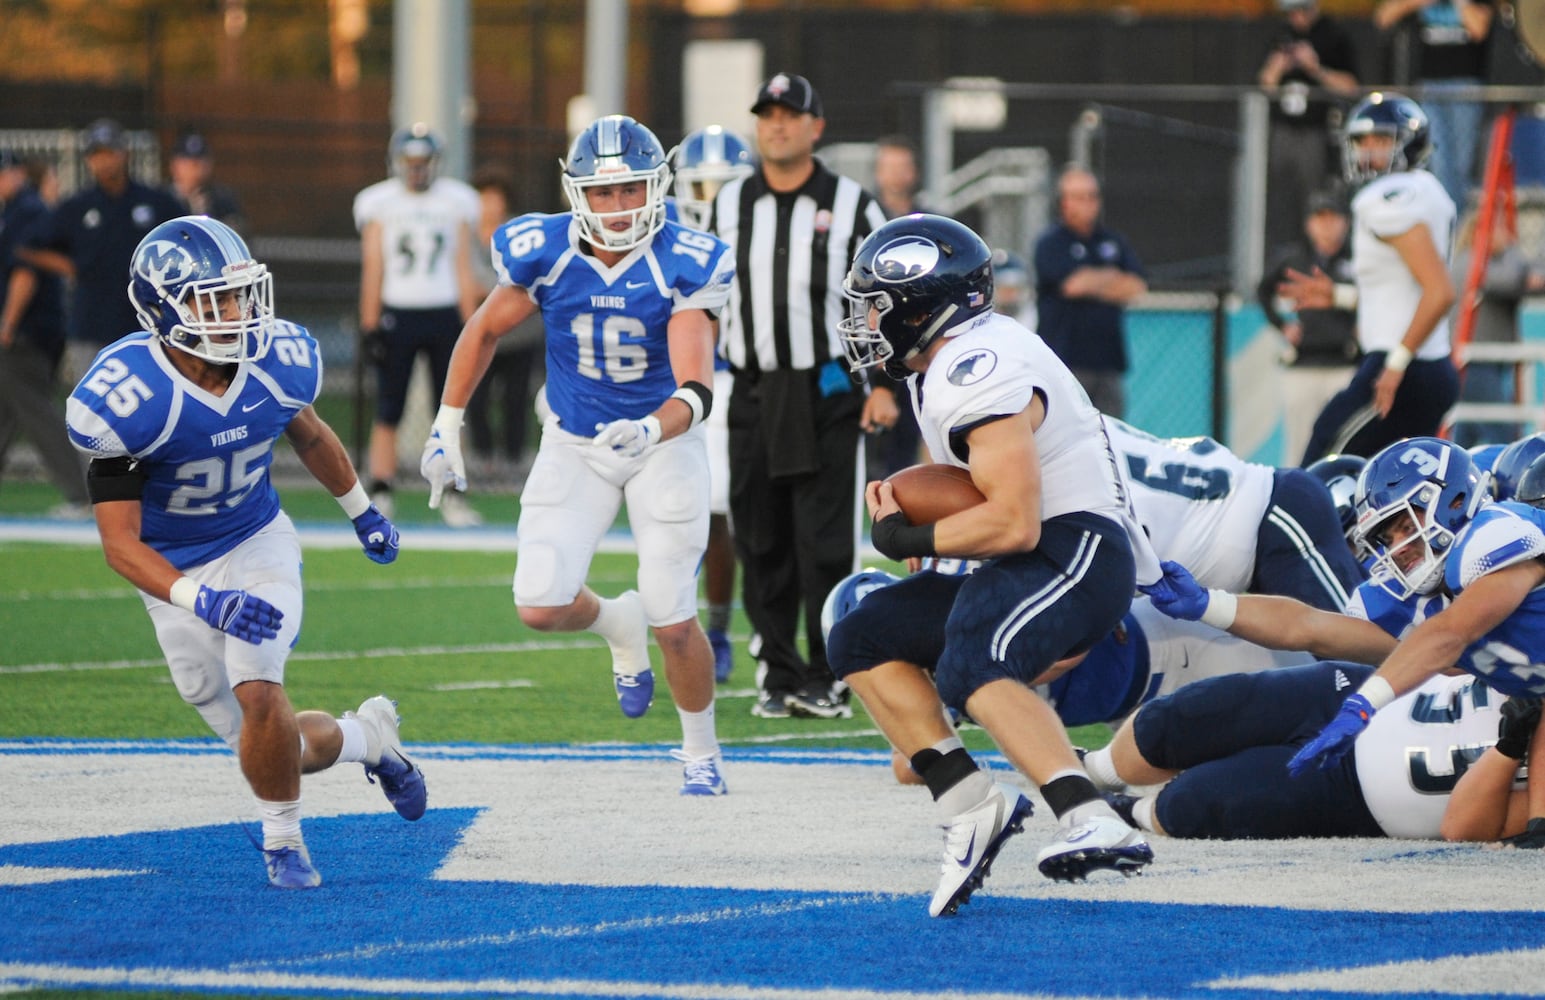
point(792, 251)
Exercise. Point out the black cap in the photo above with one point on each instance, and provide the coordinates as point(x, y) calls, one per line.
point(104, 133)
point(10, 159)
point(790, 91)
point(1324, 201)
point(191, 145)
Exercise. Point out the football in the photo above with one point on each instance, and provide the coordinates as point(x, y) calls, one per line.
point(929, 493)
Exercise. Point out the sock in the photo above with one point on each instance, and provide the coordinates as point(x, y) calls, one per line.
point(1102, 770)
point(942, 765)
point(615, 623)
point(698, 739)
point(718, 618)
point(1067, 790)
point(1143, 813)
point(379, 486)
point(281, 824)
point(355, 745)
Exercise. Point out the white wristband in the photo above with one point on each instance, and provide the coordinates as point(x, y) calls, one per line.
point(355, 502)
point(448, 419)
point(1378, 692)
point(1398, 359)
point(185, 593)
point(1343, 296)
point(1222, 606)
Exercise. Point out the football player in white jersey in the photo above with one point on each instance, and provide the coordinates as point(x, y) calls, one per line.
point(416, 288)
point(1060, 553)
point(706, 160)
point(1402, 233)
point(628, 301)
point(179, 423)
point(1236, 525)
point(1220, 747)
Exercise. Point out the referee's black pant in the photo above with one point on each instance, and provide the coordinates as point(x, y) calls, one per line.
point(1349, 425)
point(794, 534)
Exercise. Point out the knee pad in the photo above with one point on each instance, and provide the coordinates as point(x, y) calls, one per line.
point(539, 579)
point(669, 590)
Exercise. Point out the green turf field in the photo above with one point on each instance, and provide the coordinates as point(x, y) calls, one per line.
point(436, 630)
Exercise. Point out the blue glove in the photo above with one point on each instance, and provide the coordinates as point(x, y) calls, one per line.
point(377, 535)
point(1336, 738)
point(238, 613)
point(1177, 594)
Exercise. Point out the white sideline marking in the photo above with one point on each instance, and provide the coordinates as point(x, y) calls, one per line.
point(20, 875)
point(483, 685)
point(535, 645)
point(20, 973)
point(1499, 973)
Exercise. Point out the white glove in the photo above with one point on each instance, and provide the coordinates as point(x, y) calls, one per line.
point(442, 463)
point(629, 438)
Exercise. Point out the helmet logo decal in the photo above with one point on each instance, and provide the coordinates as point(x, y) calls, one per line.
point(1425, 462)
point(905, 258)
point(972, 368)
point(164, 261)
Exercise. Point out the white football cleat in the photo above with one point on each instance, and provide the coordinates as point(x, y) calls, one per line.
point(971, 841)
point(1097, 842)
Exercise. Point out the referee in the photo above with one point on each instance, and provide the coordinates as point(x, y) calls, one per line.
point(795, 414)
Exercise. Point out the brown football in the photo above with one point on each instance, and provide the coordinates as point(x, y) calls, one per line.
point(929, 493)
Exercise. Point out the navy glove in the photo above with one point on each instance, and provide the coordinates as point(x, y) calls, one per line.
point(1533, 837)
point(238, 613)
point(377, 535)
point(1520, 718)
point(1336, 738)
point(1177, 594)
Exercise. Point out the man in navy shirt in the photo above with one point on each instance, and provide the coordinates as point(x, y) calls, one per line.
point(91, 237)
point(1085, 275)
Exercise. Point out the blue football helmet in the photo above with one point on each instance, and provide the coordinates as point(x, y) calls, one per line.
point(617, 150)
point(1434, 483)
point(195, 285)
point(705, 161)
point(1511, 463)
point(414, 155)
point(1339, 474)
point(921, 275)
point(1390, 114)
point(847, 594)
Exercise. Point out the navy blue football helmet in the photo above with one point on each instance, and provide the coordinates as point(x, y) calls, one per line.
point(921, 275)
point(1339, 474)
point(1434, 483)
point(617, 150)
point(705, 161)
point(1531, 485)
point(1511, 463)
point(195, 285)
point(846, 595)
point(414, 155)
point(1391, 114)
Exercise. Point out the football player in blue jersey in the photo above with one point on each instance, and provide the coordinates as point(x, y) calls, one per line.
point(628, 301)
point(1456, 582)
point(179, 423)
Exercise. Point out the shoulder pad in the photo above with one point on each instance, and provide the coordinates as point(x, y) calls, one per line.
point(293, 365)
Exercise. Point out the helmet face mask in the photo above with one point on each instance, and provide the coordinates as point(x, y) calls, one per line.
point(706, 160)
point(1395, 118)
point(194, 285)
point(918, 276)
point(414, 156)
point(1413, 499)
point(616, 151)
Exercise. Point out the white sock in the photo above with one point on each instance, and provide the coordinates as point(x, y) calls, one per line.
point(1143, 813)
point(617, 623)
point(1102, 770)
point(698, 739)
point(355, 744)
point(281, 824)
point(965, 795)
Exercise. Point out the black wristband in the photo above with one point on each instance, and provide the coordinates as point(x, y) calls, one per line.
point(896, 539)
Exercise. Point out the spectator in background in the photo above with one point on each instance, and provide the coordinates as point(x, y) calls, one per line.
point(1440, 46)
point(1011, 292)
point(1508, 277)
point(192, 169)
point(795, 413)
point(416, 289)
point(90, 237)
point(895, 188)
point(1086, 274)
point(499, 412)
point(1311, 52)
point(31, 345)
point(1321, 351)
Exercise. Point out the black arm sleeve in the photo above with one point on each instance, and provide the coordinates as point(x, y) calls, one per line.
point(118, 478)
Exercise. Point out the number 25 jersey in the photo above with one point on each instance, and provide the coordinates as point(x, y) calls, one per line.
point(205, 458)
point(608, 356)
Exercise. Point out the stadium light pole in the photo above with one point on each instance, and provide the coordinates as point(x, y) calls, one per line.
point(431, 74)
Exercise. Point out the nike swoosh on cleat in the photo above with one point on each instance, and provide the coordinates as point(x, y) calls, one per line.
point(964, 860)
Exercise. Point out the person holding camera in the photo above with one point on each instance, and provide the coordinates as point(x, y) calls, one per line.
point(1310, 56)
